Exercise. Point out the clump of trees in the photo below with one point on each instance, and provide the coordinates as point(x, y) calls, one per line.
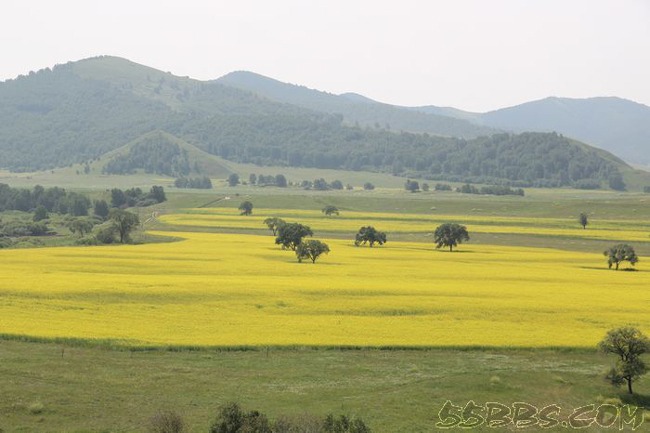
point(583, 219)
point(442, 187)
point(330, 210)
point(450, 235)
point(368, 186)
point(133, 197)
point(646, 189)
point(491, 190)
point(53, 199)
point(628, 344)
point(246, 208)
point(311, 249)
point(322, 185)
point(81, 226)
point(620, 253)
point(290, 235)
point(370, 236)
point(203, 182)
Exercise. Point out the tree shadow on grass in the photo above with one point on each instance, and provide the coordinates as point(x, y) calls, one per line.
point(596, 268)
point(640, 400)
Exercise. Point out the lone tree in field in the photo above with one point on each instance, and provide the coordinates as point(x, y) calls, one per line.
point(584, 220)
point(450, 235)
point(628, 344)
point(274, 224)
point(123, 222)
point(369, 235)
point(330, 210)
point(412, 185)
point(246, 208)
point(311, 249)
point(620, 253)
point(290, 235)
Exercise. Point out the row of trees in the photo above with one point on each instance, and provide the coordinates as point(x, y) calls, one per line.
point(202, 182)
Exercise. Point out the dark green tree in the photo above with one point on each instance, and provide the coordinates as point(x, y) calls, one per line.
point(274, 224)
point(291, 234)
point(118, 198)
point(280, 181)
point(311, 249)
point(246, 208)
point(233, 179)
point(425, 187)
point(336, 184)
point(368, 186)
point(584, 220)
point(124, 223)
point(450, 235)
point(40, 214)
point(628, 344)
point(330, 210)
point(620, 253)
point(252, 179)
point(370, 236)
point(101, 209)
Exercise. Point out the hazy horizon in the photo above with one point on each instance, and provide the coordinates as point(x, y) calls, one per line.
point(481, 56)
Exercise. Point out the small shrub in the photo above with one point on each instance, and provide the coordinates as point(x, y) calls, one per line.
point(495, 380)
point(36, 408)
point(166, 421)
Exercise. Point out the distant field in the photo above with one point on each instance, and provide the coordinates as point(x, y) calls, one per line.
point(234, 290)
point(350, 221)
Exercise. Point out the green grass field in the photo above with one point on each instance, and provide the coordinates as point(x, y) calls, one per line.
point(84, 389)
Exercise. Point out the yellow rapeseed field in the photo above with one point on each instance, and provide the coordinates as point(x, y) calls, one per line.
point(414, 223)
point(236, 289)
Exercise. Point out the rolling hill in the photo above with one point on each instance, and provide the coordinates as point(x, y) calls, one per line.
point(355, 108)
point(134, 118)
point(617, 125)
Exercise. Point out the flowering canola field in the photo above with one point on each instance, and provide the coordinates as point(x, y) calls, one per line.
point(414, 223)
point(237, 289)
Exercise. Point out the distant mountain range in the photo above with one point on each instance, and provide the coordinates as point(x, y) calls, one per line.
point(617, 125)
point(111, 114)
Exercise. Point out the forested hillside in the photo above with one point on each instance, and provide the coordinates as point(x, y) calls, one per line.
point(617, 125)
point(78, 112)
point(355, 108)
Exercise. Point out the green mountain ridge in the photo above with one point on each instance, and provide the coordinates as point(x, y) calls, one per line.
point(79, 112)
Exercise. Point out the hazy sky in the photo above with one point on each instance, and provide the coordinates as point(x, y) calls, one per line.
point(476, 55)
